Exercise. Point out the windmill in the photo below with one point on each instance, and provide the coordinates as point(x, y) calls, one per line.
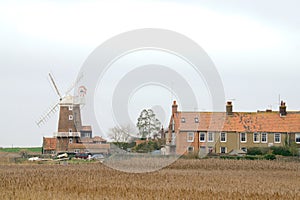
point(66, 98)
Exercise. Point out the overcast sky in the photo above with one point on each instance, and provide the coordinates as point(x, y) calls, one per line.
point(253, 44)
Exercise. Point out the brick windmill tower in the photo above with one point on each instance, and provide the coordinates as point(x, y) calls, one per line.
point(69, 122)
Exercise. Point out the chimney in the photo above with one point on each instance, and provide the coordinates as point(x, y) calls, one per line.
point(282, 109)
point(174, 107)
point(229, 108)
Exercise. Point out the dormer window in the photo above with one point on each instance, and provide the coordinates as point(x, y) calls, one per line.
point(196, 120)
point(182, 120)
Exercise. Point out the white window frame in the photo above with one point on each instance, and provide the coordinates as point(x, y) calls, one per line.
point(76, 151)
point(182, 120)
point(224, 148)
point(70, 130)
point(275, 137)
point(70, 107)
point(212, 136)
point(188, 136)
point(297, 135)
point(191, 148)
point(241, 137)
point(173, 125)
point(261, 139)
point(221, 137)
point(70, 117)
point(196, 120)
point(258, 137)
point(70, 140)
point(204, 134)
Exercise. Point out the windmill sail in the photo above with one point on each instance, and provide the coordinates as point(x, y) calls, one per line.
point(45, 117)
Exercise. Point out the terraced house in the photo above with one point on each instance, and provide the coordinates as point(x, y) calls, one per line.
point(224, 132)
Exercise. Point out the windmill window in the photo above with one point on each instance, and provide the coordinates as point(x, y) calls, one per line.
point(70, 117)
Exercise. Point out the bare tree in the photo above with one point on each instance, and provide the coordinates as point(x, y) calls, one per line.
point(120, 133)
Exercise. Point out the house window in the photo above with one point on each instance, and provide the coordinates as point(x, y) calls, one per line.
point(196, 120)
point(264, 138)
point(173, 139)
point(277, 137)
point(297, 138)
point(70, 140)
point(223, 137)
point(210, 136)
point(243, 137)
point(244, 149)
point(190, 149)
point(70, 130)
point(182, 119)
point(202, 137)
point(223, 150)
point(173, 125)
point(256, 137)
point(70, 117)
point(76, 151)
point(71, 107)
point(190, 136)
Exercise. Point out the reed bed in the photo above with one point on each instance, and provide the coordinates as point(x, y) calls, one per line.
point(184, 179)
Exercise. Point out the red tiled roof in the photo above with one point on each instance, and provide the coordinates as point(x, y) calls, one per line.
point(86, 128)
point(98, 139)
point(240, 121)
point(49, 143)
point(88, 146)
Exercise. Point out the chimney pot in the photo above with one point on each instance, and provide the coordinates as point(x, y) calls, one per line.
point(282, 109)
point(174, 107)
point(229, 108)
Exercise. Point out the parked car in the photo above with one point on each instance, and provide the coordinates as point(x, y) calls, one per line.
point(82, 155)
point(98, 157)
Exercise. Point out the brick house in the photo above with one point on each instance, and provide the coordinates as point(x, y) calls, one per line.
point(71, 135)
point(223, 132)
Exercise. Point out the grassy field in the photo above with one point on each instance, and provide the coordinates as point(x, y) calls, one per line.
point(19, 149)
point(184, 179)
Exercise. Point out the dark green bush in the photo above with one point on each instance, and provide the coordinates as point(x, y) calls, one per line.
point(281, 151)
point(257, 151)
point(270, 157)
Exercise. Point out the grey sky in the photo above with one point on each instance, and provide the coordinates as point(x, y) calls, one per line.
point(254, 45)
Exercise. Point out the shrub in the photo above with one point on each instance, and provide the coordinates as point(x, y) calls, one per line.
point(281, 151)
point(258, 151)
point(270, 157)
